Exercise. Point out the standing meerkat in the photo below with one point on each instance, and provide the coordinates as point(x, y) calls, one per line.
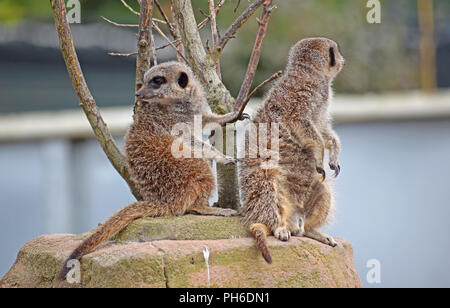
point(169, 186)
point(294, 198)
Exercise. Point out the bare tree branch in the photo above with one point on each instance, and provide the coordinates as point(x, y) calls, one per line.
point(262, 85)
point(85, 97)
point(214, 33)
point(237, 6)
point(144, 41)
point(166, 19)
point(176, 43)
point(254, 59)
point(117, 24)
point(118, 54)
point(208, 18)
point(232, 30)
point(129, 7)
point(155, 26)
point(180, 47)
point(202, 63)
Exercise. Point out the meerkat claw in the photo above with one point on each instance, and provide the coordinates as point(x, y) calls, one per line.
point(322, 172)
point(336, 169)
point(231, 162)
point(332, 242)
point(244, 116)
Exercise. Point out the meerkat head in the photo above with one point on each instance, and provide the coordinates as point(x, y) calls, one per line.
point(321, 53)
point(170, 82)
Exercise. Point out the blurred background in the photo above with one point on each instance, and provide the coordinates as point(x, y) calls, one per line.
point(392, 112)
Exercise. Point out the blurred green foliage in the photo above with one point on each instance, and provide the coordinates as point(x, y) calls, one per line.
point(379, 57)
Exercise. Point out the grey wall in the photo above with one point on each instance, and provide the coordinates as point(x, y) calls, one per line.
point(392, 197)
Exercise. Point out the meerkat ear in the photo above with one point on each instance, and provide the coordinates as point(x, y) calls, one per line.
point(183, 80)
point(332, 57)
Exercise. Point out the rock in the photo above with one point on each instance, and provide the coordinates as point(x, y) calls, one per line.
point(188, 227)
point(172, 256)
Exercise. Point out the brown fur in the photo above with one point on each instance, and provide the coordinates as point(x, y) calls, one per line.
point(169, 185)
point(294, 198)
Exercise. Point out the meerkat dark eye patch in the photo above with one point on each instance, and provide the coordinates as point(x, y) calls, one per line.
point(183, 80)
point(157, 81)
point(332, 57)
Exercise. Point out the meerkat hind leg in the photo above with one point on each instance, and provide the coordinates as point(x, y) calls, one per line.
point(321, 237)
point(297, 225)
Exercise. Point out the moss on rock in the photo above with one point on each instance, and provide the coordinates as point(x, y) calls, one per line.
point(188, 227)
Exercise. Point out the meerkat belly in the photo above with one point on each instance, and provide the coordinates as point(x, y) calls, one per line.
point(298, 170)
point(158, 174)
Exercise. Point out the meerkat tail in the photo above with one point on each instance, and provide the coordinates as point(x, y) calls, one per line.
point(114, 224)
point(260, 232)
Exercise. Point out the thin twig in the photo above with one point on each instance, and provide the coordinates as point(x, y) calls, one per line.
point(166, 20)
point(155, 26)
point(204, 14)
point(176, 43)
point(262, 85)
point(129, 7)
point(87, 101)
point(232, 30)
point(117, 24)
point(207, 19)
point(117, 54)
point(130, 25)
point(237, 6)
point(254, 59)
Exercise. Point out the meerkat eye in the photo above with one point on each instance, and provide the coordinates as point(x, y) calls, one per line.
point(332, 57)
point(183, 80)
point(157, 81)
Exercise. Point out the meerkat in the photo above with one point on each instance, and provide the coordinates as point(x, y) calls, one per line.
point(169, 186)
point(295, 197)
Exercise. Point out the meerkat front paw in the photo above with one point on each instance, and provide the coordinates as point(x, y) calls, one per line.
point(228, 212)
point(336, 168)
point(239, 117)
point(331, 241)
point(321, 170)
point(226, 160)
point(230, 161)
point(283, 234)
point(244, 116)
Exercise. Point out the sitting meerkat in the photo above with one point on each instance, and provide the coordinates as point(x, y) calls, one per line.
point(294, 198)
point(169, 185)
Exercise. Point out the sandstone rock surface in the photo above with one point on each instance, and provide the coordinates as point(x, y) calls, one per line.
point(168, 252)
